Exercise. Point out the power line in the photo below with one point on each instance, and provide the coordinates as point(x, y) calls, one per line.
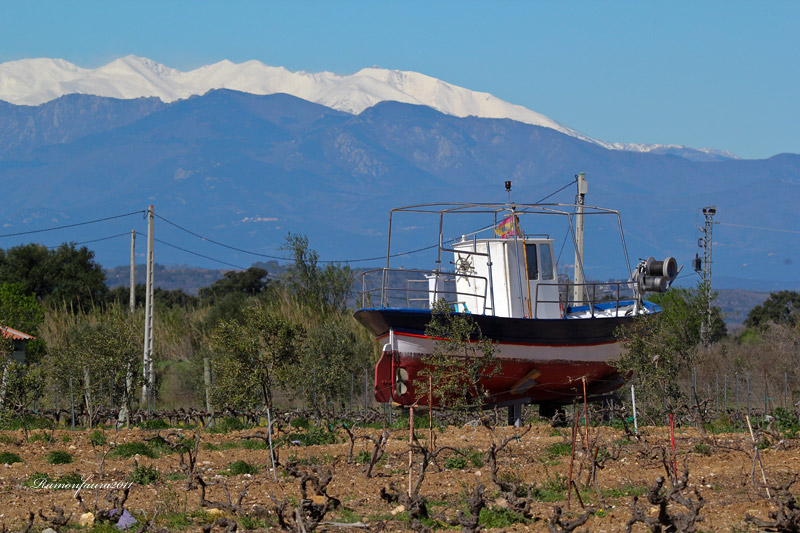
point(257, 254)
point(95, 240)
point(193, 253)
point(190, 232)
point(758, 227)
point(72, 225)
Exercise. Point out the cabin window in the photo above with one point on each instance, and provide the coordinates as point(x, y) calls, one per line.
point(547, 261)
point(530, 257)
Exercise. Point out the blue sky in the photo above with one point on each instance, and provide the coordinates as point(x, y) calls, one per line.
point(723, 75)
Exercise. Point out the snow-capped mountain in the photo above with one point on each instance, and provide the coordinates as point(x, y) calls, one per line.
point(36, 81)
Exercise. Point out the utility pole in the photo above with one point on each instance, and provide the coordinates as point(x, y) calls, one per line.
point(578, 288)
point(124, 416)
point(133, 276)
point(706, 243)
point(147, 366)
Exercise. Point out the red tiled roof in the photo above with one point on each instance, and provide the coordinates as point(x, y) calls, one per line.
point(10, 333)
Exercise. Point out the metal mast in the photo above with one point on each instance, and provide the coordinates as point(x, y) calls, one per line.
point(706, 244)
point(578, 288)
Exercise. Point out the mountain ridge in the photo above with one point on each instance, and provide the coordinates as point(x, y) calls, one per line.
point(37, 81)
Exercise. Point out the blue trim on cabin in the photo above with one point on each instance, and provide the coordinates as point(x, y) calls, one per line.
point(604, 306)
point(650, 306)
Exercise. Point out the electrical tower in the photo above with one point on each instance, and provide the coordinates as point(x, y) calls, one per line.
point(704, 270)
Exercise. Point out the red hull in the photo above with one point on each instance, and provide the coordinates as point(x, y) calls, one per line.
point(518, 381)
point(542, 361)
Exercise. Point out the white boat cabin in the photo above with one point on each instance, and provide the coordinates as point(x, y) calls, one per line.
point(513, 278)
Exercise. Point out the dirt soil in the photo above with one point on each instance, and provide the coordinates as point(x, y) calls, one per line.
point(721, 469)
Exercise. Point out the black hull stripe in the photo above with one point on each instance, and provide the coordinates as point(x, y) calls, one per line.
point(555, 332)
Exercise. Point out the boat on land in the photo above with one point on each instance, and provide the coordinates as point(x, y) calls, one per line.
point(552, 335)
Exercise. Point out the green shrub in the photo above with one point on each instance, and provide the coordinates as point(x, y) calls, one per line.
point(552, 490)
point(363, 457)
point(238, 468)
point(59, 457)
point(9, 458)
point(499, 517)
point(249, 523)
point(455, 462)
point(41, 437)
point(255, 444)
point(65, 438)
point(348, 516)
point(72, 478)
point(788, 422)
point(129, 449)
point(475, 458)
point(179, 521)
point(160, 447)
point(144, 475)
point(35, 479)
point(558, 449)
point(314, 460)
point(31, 422)
point(300, 422)
point(464, 458)
point(97, 438)
point(702, 448)
point(314, 436)
point(5, 438)
point(154, 424)
point(232, 423)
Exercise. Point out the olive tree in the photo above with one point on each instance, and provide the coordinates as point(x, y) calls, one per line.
point(332, 355)
point(252, 355)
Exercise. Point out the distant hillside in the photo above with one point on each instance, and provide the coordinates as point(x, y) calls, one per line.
point(187, 278)
point(736, 304)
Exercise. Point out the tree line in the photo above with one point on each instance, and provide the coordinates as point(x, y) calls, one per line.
point(259, 333)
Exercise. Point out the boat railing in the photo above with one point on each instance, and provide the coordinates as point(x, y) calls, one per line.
point(417, 289)
point(436, 285)
point(594, 292)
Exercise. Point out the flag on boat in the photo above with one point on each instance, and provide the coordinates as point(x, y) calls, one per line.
point(507, 227)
